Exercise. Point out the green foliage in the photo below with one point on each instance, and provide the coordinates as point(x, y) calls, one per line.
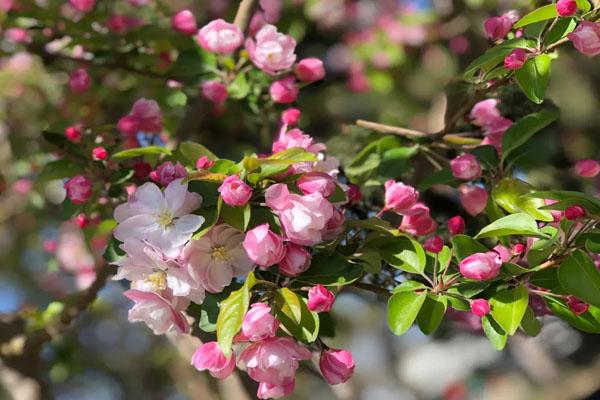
point(510, 193)
point(539, 14)
point(509, 307)
point(141, 151)
point(514, 224)
point(231, 314)
point(579, 276)
point(403, 309)
point(295, 316)
point(432, 313)
point(534, 76)
point(523, 129)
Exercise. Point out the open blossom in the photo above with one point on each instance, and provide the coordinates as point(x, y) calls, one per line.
point(234, 191)
point(284, 91)
point(587, 168)
point(337, 366)
point(264, 247)
point(481, 266)
point(161, 312)
point(220, 37)
point(216, 258)
point(465, 167)
point(419, 221)
point(79, 80)
point(485, 112)
point(259, 323)
point(480, 307)
point(268, 391)
point(214, 91)
point(303, 218)
point(83, 5)
point(145, 116)
point(274, 360)
point(515, 60)
point(296, 138)
point(473, 198)
point(162, 219)
point(320, 299)
point(586, 38)
point(167, 172)
point(272, 51)
point(312, 182)
point(79, 189)
point(209, 357)
point(184, 22)
point(309, 70)
point(400, 197)
point(497, 27)
point(296, 260)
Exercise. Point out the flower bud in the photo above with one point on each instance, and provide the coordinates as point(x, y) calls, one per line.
point(320, 299)
point(141, 169)
point(485, 112)
point(566, 8)
point(267, 390)
point(214, 91)
point(82, 220)
point(284, 91)
point(235, 192)
point(184, 22)
point(337, 366)
point(50, 246)
point(434, 244)
point(296, 260)
point(209, 357)
point(83, 5)
point(79, 189)
point(456, 225)
point(418, 222)
point(259, 323)
point(79, 81)
point(220, 37)
point(309, 70)
point(587, 168)
point(204, 163)
point(473, 198)
point(264, 247)
point(99, 153)
point(312, 182)
point(515, 59)
point(497, 28)
point(577, 306)
point(465, 167)
point(481, 266)
point(586, 38)
point(518, 249)
point(290, 117)
point(167, 172)
point(480, 307)
point(574, 212)
point(400, 197)
point(354, 194)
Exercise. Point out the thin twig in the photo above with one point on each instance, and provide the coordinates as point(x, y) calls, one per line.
point(242, 16)
point(394, 130)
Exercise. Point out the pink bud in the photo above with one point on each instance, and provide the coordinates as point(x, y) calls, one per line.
point(586, 38)
point(434, 244)
point(73, 134)
point(566, 8)
point(209, 357)
point(574, 212)
point(259, 323)
point(79, 81)
point(214, 91)
point(518, 249)
point(79, 189)
point(354, 194)
point(83, 5)
point(296, 260)
point(504, 252)
point(577, 306)
point(587, 168)
point(204, 163)
point(337, 366)
point(167, 172)
point(284, 91)
point(184, 22)
point(290, 117)
point(82, 220)
point(556, 214)
point(142, 169)
point(481, 266)
point(418, 222)
point(50, 246)
point(267, 390)
point(515, 59)
point(485, 112)
point(234, 191)
point(473, 198)
point(312, 182)
point(465, 167)
point(99, 153)
point(128, 125)
point(400, 197)
point(264, 247)
point(310, 70)
point(480, 307)
point(220, 37)
point(456, 225)
point(497, 28)
point(320, 299)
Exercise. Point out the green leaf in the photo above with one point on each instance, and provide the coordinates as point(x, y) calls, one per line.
point(463, 246)
point(396, 161)
point(331, 270)
point(238, 217)
point(113, 251)
point(141, 151)
point(403, 309)
point(191, 152)
point(442, 177)
point(510, 193)
point(578, 276)
point(432, 313)
point(409, 286)
point(584, 5)
point(547, 279)
point(58, 169)
point(295, 316)
point(508, 308)
point(540, 14)
point(231, 314)
point(522, 130)
point(569, 198)
point(530, 324)
point(494, 56)
point(533, 77)
point(589, 321)
point(494, 332)
point(405, 254)
point(562, 28)
point(239, 88)
point(514, 224)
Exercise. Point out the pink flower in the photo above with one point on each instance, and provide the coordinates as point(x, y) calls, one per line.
point(485, 112)
point(419, 221)
point(144, 116)
point(586, 38)
point(304, 219)
point(497, 28)
point(73, 133)
point(121, 24)
point(274, 360)
point(209, 357)
point(473, 198)
point(312, 182)
point(515, 59)
point(574, 212)
point(296, 260)
point(320, 299)
point(79, 81)
point(160, 313)
point(577, 306)
point(216, 258)
point(234, 191)
point(337, 366)
point(204, 163)
point(166, 173)
point(335, 225)
point(504, 252)
point(259, 323)
point(99, 153)
point(214, 91)
point(284, 91)
point(79, 189)
point(83, 5)
point(290, 117)
point(268, 391)
point(481, 266)
point(141, 170)
point(480, 307)
point(465, 167)
point(456, 225)
point(264, 247)
point(518, 249)
point(17, 35)
point(273, 51)
point(50, 246)
point(296, 138)
point(220, 37)
point(400, 197)
point(587, 168)
point(22, 186)
point(309, 70)
point(566, 8)
point(434, 244)
point(184, 22)
point(7, 5)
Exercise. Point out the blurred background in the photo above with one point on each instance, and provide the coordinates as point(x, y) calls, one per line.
point(388, 61)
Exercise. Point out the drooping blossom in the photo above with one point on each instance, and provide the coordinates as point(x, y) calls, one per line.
point(484, 112)
point(336, 365)
point(481, 266)
point(184, 22)
point(312, 182)
point(480, 307)
point(419, 221)
point(465, 167)
point(309, 70)
point(271, 51)
point(497, 27)
point(296, 138)
point(456, 225)
point(284, 91)
point(586, 38)
point(145, 116)
point(220, 37)
point(434, 244)
point(400, 197)
point(515, 60)
point(161, 312)
point(209, 357)
point(290, 117)
point(268, 391)
point(473, 198)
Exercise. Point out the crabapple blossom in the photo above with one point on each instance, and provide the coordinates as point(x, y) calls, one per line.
point(296, 138)
point(566, 8)
point(485, 112)
point(271, 51)
point(586, 38)
point(481, 266)
point(268, 391)
point(99, 153)
point(296, 260)
point(577, 306)
point(497, 27)
point(309, 70)
point(214, 91)
point(184, 22)
point(259, 323)
point(83, 5)
point(284, 91)
point(312, 182)
point(161, 312)
point(220, 37)
point(204, 163)
point(145, 116)
point(209, 357)
point(167, 172)
point(234, 191)
point(473, 198)
point(79, 81)
point(574, 212)
point(515, 60)
point(290, 117)
point(141, 169)
point(79, 189)
point(320, 299)
point(465, 167)
point(434, 244)
point(480, 307)
point(73, 133)
point(587, 168)
point(264, 247)
point(456, 225)
point(418, 222)
point(336, 365)
point(400, 197)
point(121, 24)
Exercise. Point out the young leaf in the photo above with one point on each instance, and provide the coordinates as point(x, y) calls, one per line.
point(530, 324)
point(403, 309)
point(540, 14)
point(533, 77)
point(494, 332)
point(522, 130)
point(141, 151)
point(514, 224)
point(295, 316)
point(432, 313)
point(579, 277)
point(508, 308)
point(405, 254)
point(510, 193)
point(589, 321)
point(463, 246)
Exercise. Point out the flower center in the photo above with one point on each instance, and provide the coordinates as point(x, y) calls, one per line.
point(158, 280)
point(164, 218)
point(219, 253)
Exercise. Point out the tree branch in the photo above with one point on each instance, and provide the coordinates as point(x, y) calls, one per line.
point(242, 16)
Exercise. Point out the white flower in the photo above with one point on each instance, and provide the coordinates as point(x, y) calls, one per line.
point(214, 259)
point(162, 219)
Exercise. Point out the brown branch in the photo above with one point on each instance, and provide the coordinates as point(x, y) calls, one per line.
point(394, 130)
point(242, 16)
point(371, 288)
